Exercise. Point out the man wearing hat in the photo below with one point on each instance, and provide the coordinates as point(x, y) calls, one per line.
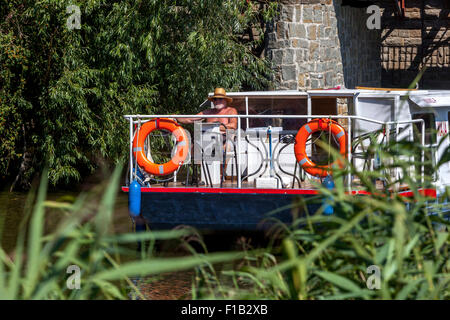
point(221, 102)
point(221, 107)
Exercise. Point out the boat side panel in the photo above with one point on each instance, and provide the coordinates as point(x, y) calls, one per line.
point(216, 211)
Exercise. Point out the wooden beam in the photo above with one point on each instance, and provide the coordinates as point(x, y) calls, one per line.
point(384, 89)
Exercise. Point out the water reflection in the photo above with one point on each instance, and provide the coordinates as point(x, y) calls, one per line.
point(12, 212)
point(175, 285)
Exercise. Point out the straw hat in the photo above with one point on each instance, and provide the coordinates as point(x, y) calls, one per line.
point(220, 93)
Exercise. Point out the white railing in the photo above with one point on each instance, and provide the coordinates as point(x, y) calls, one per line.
point(136, 119)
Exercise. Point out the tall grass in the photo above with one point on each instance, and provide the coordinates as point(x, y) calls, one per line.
point(315, 257)
point(333, 257)
point(84, 237)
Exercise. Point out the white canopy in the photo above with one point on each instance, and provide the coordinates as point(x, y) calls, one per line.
point(431, 101)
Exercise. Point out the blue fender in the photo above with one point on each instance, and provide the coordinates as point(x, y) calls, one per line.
point(329, 184)
point(134, 199)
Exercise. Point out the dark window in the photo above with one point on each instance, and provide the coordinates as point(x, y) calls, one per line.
point(295, 105)
point(430, 139)
point(430, 128)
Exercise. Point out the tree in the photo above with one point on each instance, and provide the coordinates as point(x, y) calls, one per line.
point(63, 92)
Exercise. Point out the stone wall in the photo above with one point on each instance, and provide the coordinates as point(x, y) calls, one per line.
point(320, 44)
point(421, 38)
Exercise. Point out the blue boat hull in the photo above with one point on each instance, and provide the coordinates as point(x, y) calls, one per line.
point(231, 209)
point(226, 211)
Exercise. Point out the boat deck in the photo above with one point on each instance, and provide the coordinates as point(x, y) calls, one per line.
point(229, 184)
point(229, 207)
point(308, 188)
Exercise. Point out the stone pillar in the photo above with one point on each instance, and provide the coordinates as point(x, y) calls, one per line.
point(319, 44)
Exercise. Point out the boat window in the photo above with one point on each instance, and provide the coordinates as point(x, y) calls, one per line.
point(430, 127)
point(272, 105)
point(430, 140)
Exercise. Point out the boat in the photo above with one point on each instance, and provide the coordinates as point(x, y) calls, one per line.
point(249, 178)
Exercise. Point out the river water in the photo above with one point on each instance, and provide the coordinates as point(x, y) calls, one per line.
point(169, 286)
point(12, 211)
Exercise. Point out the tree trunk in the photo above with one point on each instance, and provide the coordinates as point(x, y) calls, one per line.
point(20, 182)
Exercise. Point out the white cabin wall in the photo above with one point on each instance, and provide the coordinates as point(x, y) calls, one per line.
point(444, 169)
point(441, 117)
point(381, 109)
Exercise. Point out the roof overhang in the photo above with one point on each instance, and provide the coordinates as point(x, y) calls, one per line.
point(431, 101)
point(423, 98)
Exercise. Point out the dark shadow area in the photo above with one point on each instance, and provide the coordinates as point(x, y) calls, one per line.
point(402, 63)
point(406, 44)
point(359, 46)
point(357, 3)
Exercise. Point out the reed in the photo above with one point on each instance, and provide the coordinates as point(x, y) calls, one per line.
point(338, 256)
point(315, 257)
point(84, 237)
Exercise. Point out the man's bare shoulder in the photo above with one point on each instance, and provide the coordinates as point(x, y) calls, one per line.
point(231, 110)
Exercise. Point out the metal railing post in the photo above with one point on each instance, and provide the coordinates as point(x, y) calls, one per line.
point(423, 152)
point(131, 148)
point(387, 124)
point(349, 153)
point(246, 110)
point(239, 153)
point(396, 169)
point(309, 108)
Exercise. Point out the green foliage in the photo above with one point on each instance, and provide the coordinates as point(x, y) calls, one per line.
point(63, 92)
point(316, 257)
point(37, 269)
point(13, 62)
point(326, 257)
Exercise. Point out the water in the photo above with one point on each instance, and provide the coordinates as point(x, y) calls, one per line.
point(176, 285)
point(12, 212)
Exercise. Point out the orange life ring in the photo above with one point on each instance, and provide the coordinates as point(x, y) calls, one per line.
point(300, 145)
point(180, 155)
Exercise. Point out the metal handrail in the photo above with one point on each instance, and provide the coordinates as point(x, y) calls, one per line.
point(131, 118)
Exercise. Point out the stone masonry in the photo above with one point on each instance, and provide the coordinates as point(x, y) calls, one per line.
point(320, 44)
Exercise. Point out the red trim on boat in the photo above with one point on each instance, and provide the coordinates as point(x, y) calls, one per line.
point(425, 192)
point(359, 192)
point(227, 190)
